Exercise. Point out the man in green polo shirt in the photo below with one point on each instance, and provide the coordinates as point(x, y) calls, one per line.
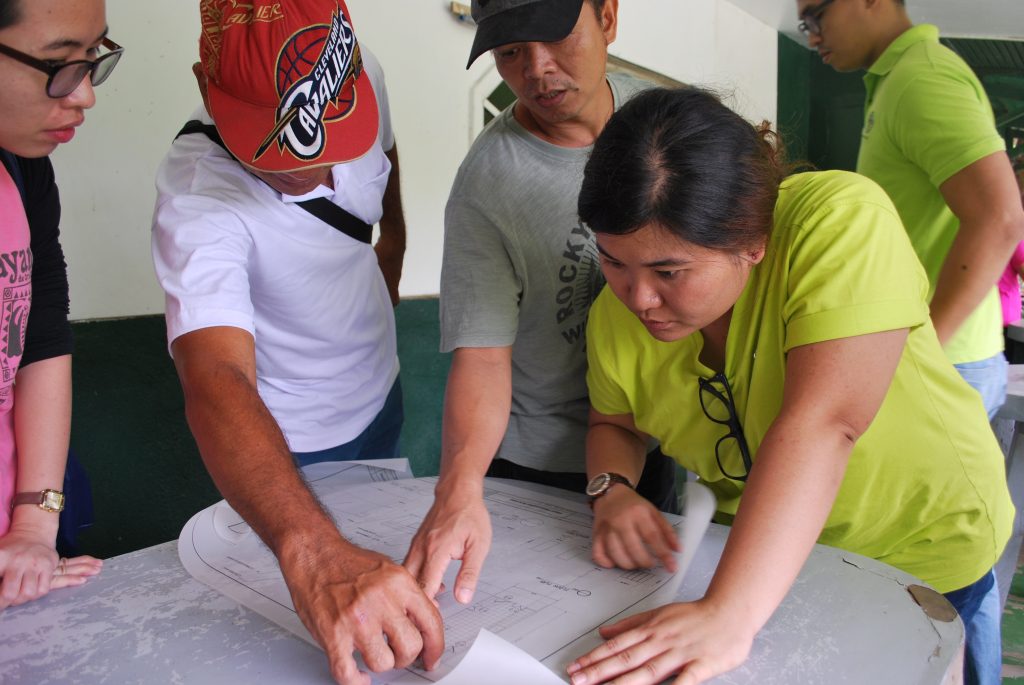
point(929, 139)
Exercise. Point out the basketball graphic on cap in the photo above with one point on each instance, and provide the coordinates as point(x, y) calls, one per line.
point(298, 57)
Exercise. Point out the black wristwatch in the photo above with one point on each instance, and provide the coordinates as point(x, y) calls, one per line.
point(602, 482)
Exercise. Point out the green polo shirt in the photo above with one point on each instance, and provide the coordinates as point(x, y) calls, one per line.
point(926, 118)
point(925, 486)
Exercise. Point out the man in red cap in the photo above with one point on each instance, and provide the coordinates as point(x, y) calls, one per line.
point(279, 310)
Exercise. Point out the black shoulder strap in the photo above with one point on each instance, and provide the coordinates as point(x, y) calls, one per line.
point(322, 208)
point(14, 169)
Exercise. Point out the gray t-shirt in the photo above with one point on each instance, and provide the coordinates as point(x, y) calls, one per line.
point(520, 269)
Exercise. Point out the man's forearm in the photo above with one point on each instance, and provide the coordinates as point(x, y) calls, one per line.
point(247, 457)
point(985, 199)
point(478, 400)
point(390, 247)
point(392, 223)
point(970, 272)
point(349, 599)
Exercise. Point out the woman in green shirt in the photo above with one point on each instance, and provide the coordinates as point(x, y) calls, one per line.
point(773, 334)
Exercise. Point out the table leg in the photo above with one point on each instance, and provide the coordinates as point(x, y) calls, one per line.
point(1007, 565)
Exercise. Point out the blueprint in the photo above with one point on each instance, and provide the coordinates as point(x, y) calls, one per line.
point(539, 590)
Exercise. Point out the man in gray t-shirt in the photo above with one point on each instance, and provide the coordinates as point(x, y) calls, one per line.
point(520, 272)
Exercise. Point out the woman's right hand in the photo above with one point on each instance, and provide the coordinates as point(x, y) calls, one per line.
point(30, 568)
point(629, 532)
point(696, 640)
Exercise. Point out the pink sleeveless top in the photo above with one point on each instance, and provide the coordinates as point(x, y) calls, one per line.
point(15, 299)
point(1009, 287)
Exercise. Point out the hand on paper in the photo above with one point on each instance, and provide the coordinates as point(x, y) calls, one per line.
point(456, 527)
point(630, 533)
point(29, 567)
point(354, 599)
point(694, 640)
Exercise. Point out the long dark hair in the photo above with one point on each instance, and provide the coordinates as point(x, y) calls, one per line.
point(10, 13)
point(683, 161)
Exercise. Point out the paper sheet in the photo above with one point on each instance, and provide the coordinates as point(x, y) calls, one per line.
point(539, 588)
point(698, 508)
point(480, 665)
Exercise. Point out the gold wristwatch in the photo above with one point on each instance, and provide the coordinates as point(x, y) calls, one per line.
point(47, 500)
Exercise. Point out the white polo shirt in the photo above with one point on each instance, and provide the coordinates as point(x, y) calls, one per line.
point(231, 251)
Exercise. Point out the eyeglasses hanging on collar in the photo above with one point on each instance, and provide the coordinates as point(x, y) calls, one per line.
point(717, 402)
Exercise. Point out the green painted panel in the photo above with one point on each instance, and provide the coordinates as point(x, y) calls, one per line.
point(794, 97)
point(820, 110)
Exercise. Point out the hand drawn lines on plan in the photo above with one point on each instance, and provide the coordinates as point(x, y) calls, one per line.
point(540, 509)
point(514, 612)
point(249, 572)
point(379, 475)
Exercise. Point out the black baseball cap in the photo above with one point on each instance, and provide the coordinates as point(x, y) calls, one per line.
point(500, 22)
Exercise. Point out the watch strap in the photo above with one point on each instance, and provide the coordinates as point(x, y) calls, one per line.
point(607, 480)
point(610, 479)
point(47, 500)
point(614, 478)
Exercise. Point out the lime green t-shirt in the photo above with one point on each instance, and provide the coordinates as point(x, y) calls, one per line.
point(926, 118)
point(925, 489)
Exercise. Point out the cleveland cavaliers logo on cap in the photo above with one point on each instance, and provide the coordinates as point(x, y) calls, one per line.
point(313, 68)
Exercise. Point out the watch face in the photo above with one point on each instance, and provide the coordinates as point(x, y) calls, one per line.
point(598, 484)
point(52, 500)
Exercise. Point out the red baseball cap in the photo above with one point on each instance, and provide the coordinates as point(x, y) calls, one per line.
point(286, 84)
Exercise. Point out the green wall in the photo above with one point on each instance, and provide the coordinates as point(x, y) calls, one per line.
point(819, 110)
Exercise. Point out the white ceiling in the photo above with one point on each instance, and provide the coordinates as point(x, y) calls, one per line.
point(955, 18)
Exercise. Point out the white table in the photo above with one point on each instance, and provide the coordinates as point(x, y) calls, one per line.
point(848, 619)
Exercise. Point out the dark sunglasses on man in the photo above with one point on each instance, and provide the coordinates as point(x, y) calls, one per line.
point(65, 77)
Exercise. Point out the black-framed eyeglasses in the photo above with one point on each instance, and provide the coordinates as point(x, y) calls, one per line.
point(64, 77)
point(810, 20)
point(719, 406)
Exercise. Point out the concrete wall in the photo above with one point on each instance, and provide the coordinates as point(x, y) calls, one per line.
point(106, 174)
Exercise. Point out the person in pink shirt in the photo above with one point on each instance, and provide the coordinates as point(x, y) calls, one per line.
point(1009, 286)
point(1009, 283)
point(52, 53)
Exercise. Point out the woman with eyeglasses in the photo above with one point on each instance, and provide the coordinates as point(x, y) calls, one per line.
point(50, 59)
point(772, 332)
